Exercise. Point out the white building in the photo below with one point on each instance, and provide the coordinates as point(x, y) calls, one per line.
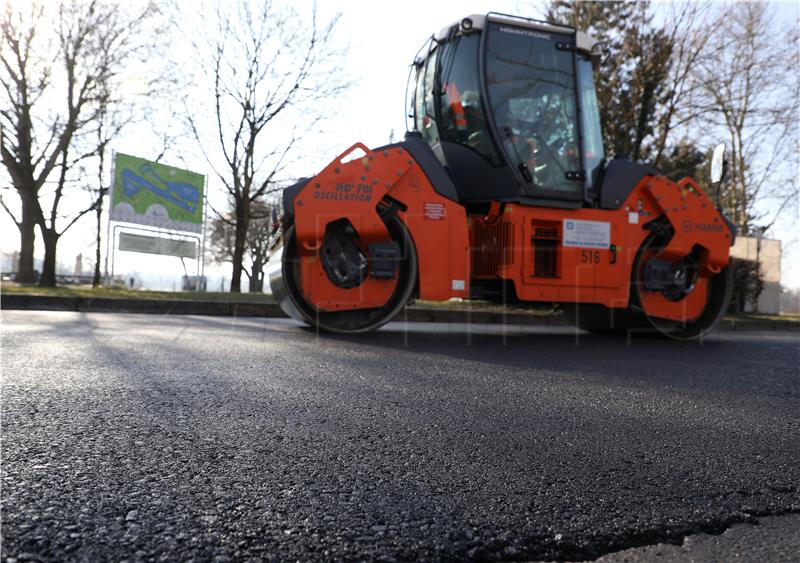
point(767, 252)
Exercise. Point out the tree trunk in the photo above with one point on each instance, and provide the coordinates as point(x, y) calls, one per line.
point(98, 212)
point(48, 278)
point(251, 283)
point(238, 258)
point(27, 236)
point(257, 277)
point(240, 242)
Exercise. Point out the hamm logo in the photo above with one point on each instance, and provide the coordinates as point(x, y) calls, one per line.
point(708, 227)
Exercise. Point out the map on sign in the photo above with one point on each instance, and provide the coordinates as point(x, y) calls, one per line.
point(148, 193)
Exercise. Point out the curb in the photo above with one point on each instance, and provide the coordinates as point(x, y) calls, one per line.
point(413, 313)
point(147, 306)
point(753, 325)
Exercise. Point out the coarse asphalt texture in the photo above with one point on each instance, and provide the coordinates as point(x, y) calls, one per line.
point(171, 438)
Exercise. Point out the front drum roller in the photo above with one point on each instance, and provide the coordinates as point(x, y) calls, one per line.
point(289, 292)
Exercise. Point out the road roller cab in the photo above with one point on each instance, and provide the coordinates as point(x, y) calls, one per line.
point(501, 191)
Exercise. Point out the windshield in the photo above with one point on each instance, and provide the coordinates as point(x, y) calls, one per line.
point(531, 90)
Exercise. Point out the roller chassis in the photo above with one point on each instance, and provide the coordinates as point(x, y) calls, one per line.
point(660, 258)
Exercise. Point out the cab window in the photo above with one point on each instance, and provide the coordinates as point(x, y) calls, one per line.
point(425, 110)
point(462, 118)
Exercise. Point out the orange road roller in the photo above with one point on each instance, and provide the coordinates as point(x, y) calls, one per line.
point(501, 191)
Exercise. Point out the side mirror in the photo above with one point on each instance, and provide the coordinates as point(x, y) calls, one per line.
point(597, 55)
point(718, 164)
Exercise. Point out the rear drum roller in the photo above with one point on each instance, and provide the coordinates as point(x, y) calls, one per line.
point(708, 297)
point(345, 265)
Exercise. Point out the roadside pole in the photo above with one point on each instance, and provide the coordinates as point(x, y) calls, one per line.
point(110, 194)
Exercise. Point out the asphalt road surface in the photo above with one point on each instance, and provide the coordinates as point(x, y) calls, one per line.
point(172, 438)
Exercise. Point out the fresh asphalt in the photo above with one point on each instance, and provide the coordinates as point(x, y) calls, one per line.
point(174, 438)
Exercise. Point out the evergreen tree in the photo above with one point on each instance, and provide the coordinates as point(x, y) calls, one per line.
point(632, 77)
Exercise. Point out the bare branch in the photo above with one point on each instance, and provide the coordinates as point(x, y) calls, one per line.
point(78, 216)
point(10, 213)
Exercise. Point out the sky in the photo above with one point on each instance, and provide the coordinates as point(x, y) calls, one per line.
point(383, 38)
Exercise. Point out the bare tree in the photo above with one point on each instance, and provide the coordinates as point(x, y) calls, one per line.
point(272, 74)
point(260, 235)
point(691, 27)
point(93, 41)
point(103, 139)
point(750, 88)
point(633, 72)
point(28, 160)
